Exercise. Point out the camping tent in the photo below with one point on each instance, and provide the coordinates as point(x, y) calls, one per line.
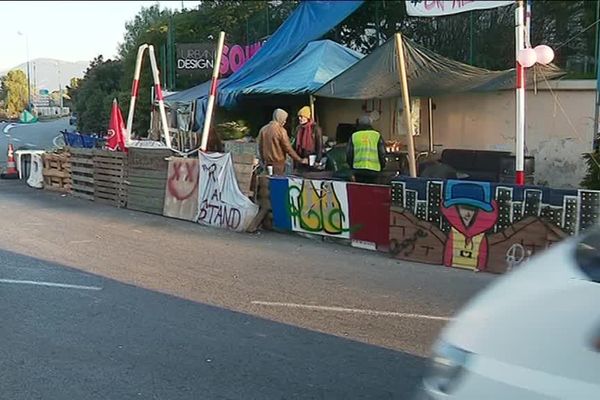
point(428, 74)
point(27, 118)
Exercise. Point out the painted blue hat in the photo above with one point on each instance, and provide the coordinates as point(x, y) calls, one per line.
point(474, 194)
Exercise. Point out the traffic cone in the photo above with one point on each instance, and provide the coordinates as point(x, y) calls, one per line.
point(11, 169)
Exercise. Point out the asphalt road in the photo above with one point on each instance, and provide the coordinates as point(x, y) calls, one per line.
point(165, 309)
point(39, 135)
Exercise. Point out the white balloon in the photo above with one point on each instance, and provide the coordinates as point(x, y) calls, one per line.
point(527, 57)
point(544, 54)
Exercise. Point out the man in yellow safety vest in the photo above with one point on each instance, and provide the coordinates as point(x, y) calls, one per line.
point(365, 152)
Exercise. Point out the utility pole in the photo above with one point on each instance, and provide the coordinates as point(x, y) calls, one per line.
point(597, 101)
point(28, 70)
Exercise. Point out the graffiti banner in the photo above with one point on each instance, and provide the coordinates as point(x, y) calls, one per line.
point(435, 8)
point(181, 192)
point(220, 201)
point(310, 206)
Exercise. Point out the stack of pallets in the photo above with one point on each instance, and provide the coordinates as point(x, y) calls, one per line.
point(57, 172)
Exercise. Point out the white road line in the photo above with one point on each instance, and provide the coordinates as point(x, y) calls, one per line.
point(80, 241)
point(55, 139)
point(352, 310)
point(16, 139)
point(30, 144)
point(50, 284)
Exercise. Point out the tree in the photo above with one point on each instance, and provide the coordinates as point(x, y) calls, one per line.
point(14, 91)
point(93, 96)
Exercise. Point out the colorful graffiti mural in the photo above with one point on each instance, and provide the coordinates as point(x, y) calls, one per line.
point(311, 206)
point(332, 208)
point(475, 225)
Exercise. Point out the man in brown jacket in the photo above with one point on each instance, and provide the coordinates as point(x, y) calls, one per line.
point(274, 143)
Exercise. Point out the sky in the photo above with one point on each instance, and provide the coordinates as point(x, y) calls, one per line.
point(67, 30)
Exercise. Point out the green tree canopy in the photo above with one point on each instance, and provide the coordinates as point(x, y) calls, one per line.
point(93, 96)
point(14, 92)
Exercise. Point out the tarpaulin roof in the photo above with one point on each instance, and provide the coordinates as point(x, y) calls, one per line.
point(319, 62)
point(428, 73)
point(309, 21)
point(316, 64)
point(191, 94)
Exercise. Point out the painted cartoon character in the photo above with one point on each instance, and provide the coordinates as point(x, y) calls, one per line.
point(471, 212)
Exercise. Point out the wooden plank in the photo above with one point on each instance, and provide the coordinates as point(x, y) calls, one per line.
point(82, 187)
point(244, 159)
point(144, 192)
point(55, 173)
point(81, 162)
point(109, 185)
point(82, 170)
point(109, 178)
point(110, 155)
point(162, 174)
point(243, 169)
point(109, 172)
point(143, 182)
point(108, 163)
point(148, 159)
point(85, 179)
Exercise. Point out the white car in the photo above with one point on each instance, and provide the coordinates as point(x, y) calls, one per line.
point(534, 334)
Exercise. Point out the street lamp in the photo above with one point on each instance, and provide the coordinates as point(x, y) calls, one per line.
point(28, 73)
point(59, 88)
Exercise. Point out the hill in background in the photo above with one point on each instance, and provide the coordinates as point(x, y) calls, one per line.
point(45, 73)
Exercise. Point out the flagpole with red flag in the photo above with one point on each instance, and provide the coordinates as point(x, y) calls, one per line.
point(116, 129)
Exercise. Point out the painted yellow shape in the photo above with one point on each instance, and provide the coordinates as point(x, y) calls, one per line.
point(465, 253)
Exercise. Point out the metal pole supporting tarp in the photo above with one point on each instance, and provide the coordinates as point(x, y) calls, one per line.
point(213, 92)
point(520, 97)
point(406, 100)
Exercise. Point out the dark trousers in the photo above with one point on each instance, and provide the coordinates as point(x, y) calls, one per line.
point(366, 176)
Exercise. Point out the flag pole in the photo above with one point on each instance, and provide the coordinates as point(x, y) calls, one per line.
point(406, 100)
point(520, 97)
point(213, 92)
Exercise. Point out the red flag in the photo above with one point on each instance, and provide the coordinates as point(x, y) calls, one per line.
point(116, 130)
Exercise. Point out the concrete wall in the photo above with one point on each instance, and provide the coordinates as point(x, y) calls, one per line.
point(559, 127)
point(556, 136)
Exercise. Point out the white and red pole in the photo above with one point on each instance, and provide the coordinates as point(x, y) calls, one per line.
point(134, 91)
point(213, 92)
point(159, 96)
point(520, 98)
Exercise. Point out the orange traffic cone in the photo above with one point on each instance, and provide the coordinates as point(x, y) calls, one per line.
point(11, 169)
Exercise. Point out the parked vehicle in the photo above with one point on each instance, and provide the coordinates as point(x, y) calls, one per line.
point(533, 334)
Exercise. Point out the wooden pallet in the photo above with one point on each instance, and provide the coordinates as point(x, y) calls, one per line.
point(82, 173)
point(147, 179)
point(110, 172)
point(57, 172)
point(244, 166)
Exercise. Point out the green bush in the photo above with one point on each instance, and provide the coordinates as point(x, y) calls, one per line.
point(592, 178)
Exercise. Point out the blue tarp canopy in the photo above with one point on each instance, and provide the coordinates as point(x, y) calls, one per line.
point(310, 21)
point(319, 62)
point(191, 94)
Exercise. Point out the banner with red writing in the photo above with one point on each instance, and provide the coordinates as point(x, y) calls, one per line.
point(436, 8)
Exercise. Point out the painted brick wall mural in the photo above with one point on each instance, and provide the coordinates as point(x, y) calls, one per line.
point(480, 225)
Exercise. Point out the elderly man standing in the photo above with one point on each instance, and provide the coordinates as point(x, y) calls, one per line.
point(274, 143)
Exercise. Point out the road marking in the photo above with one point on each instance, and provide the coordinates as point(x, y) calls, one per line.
point(50, 284)
point(55, 139)
point(16, 139)
point(352, 310)
point(80, 241)
point(30, 144)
